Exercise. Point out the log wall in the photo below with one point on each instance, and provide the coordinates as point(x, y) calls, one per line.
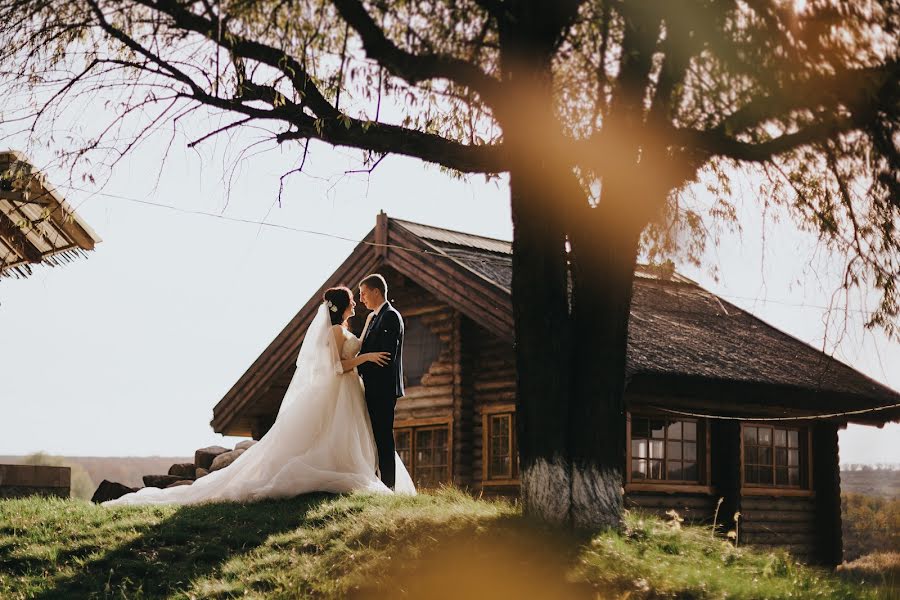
point(784, 521)
point(493, 383)
point(693, 508)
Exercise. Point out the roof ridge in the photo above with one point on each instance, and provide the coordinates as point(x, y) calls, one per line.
point(456, 231)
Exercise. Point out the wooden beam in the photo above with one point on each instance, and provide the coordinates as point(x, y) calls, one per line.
point(381, 234)
point(16, 239)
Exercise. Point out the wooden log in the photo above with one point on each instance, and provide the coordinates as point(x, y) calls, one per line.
point(778, 527)
point(774, 516)
point(750, 537)
point(421, 391)
point(750, 503)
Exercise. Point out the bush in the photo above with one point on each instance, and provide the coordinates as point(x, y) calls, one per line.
point(870, 524)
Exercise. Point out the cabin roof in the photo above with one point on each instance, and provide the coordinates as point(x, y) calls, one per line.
point(678, 332)
point(36, 224)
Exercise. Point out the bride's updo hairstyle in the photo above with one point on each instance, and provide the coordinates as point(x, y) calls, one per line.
point(337, 299)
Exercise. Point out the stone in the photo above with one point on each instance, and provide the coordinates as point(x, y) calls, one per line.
point(244, 445)
point(181, 482)
point(160, 481)
point(225, 459)
point(198, 473)
point(183, 470)
point(204, 457)
point(110, 490)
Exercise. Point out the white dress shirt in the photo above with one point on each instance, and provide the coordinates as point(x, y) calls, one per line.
point(370, 317)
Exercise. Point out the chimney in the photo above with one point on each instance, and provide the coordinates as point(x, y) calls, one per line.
point(381, 234)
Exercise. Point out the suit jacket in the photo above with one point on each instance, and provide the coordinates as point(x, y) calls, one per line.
point(385, 334)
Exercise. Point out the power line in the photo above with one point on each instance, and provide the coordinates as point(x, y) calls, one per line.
point(800, 418)
point(483, 260)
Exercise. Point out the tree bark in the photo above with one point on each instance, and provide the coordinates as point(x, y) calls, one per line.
point(604, 250)
point(540, 310)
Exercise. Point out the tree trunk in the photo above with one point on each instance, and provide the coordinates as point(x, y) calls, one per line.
point(540, 310)
point(604, 250)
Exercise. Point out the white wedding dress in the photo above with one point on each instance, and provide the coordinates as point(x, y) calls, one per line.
point(321, 440)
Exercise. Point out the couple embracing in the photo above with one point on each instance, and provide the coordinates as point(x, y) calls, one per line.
point(334, 430)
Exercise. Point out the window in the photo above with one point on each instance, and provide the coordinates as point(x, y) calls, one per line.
point(665, 450)
point(421, 347)
point(501, 457)
point(773, 456)
point(425, 450)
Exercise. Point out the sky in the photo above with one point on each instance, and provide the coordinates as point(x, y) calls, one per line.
point(125, 353)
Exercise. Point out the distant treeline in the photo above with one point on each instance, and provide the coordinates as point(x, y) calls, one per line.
point(870, 467)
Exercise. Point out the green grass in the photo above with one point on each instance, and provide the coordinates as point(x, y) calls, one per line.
point(440, 545)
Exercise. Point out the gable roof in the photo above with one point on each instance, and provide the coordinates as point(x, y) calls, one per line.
point(678, 331)
point(36, 224)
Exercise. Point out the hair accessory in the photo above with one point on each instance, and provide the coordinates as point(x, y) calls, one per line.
point(331, 306)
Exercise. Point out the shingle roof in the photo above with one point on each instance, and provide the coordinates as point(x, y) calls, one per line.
point(679, 328)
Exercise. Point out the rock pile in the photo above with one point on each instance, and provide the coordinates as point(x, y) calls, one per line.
point(206, 460)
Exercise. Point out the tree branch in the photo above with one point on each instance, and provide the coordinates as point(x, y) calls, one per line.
point(416, 68)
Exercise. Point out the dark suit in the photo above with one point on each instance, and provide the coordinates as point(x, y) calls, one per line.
point(384, 384)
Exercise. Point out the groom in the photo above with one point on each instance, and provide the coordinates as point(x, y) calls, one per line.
point(383, 333)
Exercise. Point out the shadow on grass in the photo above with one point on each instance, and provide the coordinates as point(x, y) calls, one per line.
point(497, 557)
point(194, 542)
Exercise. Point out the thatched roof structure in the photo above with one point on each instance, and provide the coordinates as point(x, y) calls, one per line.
point(703, 350)
point(36, 224)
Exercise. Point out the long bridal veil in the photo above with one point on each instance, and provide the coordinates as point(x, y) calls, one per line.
point(321, 439)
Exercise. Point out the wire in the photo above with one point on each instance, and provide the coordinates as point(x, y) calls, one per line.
point(801, 418)
point(505, 262)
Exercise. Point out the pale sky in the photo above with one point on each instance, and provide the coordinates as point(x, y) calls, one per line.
point(126, 352)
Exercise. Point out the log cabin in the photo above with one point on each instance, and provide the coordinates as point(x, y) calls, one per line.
point(718, 402)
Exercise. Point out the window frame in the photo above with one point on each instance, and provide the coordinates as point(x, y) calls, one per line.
point(487, 413)
point(806, 487)
point(432, 423)
point(703, 485)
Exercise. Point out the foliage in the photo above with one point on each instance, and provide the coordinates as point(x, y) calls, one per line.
point(82, 486)
point(445, 544)
point(649, 96)
point(870, 524)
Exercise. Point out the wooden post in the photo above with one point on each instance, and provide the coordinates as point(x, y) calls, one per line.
point(827, 484)
point(725, 463)
point(381, 234)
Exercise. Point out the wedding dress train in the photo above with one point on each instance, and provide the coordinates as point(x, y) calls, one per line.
point(321, 440)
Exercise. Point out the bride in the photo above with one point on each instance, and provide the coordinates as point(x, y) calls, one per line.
point(321, 440)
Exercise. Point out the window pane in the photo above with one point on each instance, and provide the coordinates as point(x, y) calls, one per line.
point(765, 475)
point(639, 448)
point(673, 451)
point(675, 431)
point(749, 435)
point(691, 472)
point(658, 428)
point(794, 439)
point(675, 470)
point(764, 436)
point(690, 430)
point(656, 469)
point(781, 437)
point(656, 449)
point(793, 458)
point(751, 474)
point(639, 469)
point(690, 451)
point(765, 456)
point(781, 476)
point(750, 455)
point(793, 476)
point(781, 457)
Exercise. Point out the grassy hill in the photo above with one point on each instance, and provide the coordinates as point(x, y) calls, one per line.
point(440, 545)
